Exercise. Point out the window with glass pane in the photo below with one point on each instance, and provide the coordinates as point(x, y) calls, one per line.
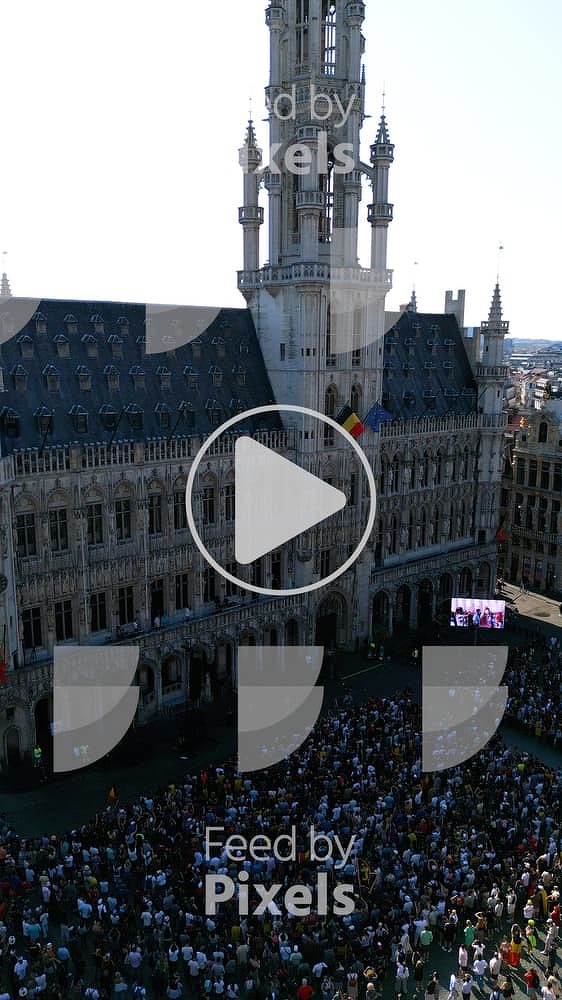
point(545, 475)
point(229, 502)
point(182, 591)
point(209, 584)
point(208, 502)
point(63, 621)
point(58, 529)
point(123, 518)
point(94, 523)
point(25, 534)
point(180, 514)
point(98, 612)
point(155, 514)
point(125, 602)
point(32, 635)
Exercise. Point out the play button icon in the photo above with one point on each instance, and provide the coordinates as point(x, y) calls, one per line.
point(275, 500)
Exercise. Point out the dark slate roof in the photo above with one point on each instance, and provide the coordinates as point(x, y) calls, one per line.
point(427, 371)
point(143, 362)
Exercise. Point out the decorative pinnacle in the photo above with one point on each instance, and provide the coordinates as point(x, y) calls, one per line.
point(5, 290)
point(495, 314)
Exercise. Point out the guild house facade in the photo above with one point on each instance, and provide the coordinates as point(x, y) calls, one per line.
point(99, 429)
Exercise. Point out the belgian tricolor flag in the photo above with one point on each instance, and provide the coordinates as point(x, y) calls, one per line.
point(350, 422)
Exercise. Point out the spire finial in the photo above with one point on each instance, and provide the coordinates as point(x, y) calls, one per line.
point(500, 248)
point(5, 289)
point(383, 99)
point(495, 315)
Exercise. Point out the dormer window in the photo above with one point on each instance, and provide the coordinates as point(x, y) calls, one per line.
point(196, 348)
point(243, 348)
point(112, 375)
point(141, 344)
point(52, 376)
point(237, 406)
point(216, 375)
point(44, 420)
point(25, 345)
point(40, 322)
point(71, 323)
point(135, 416)
point(409, 398)
point(138, 376)
point(123, 325)
point(163, 413)
point(191, 376)
point(20, 377)
point(116, 344)
point(62, 345)
point(10, 422)
point(79, 419)
point(98, 323)
point(219, 345)
point(240, 374)
point(212, 406)
point(84, 378)
point(108, 416)
point(90, 344)
point(187, 412)
point(165, 376)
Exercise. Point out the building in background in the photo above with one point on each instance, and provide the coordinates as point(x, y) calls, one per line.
point(98, 434)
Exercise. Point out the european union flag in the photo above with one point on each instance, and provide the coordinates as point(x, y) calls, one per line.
point(376, 416)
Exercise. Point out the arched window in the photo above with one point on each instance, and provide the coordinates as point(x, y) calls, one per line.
point(543, 432)
point(465, 464)
point(395, 474)
point(356, 396)
point(436, 527)
point(423, 528)
point(452, 522)
point(383, 477)
point(427, 463)
point(412, 530)
point(463, 520)
point(330, 404)
point(438, 468)
point(394, 535)
point(414, 472)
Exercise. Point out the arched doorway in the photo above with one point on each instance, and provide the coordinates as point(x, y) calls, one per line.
point(444, 595)
point(380, 618)
point(292, 632)
point(224, 660)
point(403, 606)
point(43, 726)
point(330, 621)
point(465, 582)
point(12, 748)
point(197, 671)
point(171, 675)
point(425, 603)
point(145, 681)
point(270, 636)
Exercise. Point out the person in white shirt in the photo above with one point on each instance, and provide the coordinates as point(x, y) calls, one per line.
point(480, 966)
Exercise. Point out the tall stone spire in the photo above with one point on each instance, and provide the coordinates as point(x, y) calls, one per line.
point(495, 314)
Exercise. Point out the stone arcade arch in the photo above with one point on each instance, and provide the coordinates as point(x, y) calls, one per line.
point(425, 603)
point(12, 746)
point(292, 632)
point(380, 616)
point(444, 595)
point(403, 606)
point(465, 582)
point(331, 621)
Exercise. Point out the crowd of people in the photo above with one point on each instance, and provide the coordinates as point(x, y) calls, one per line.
point(534, 680)
point(459, 865)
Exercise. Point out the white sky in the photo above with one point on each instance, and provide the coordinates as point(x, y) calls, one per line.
point(121, 123)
